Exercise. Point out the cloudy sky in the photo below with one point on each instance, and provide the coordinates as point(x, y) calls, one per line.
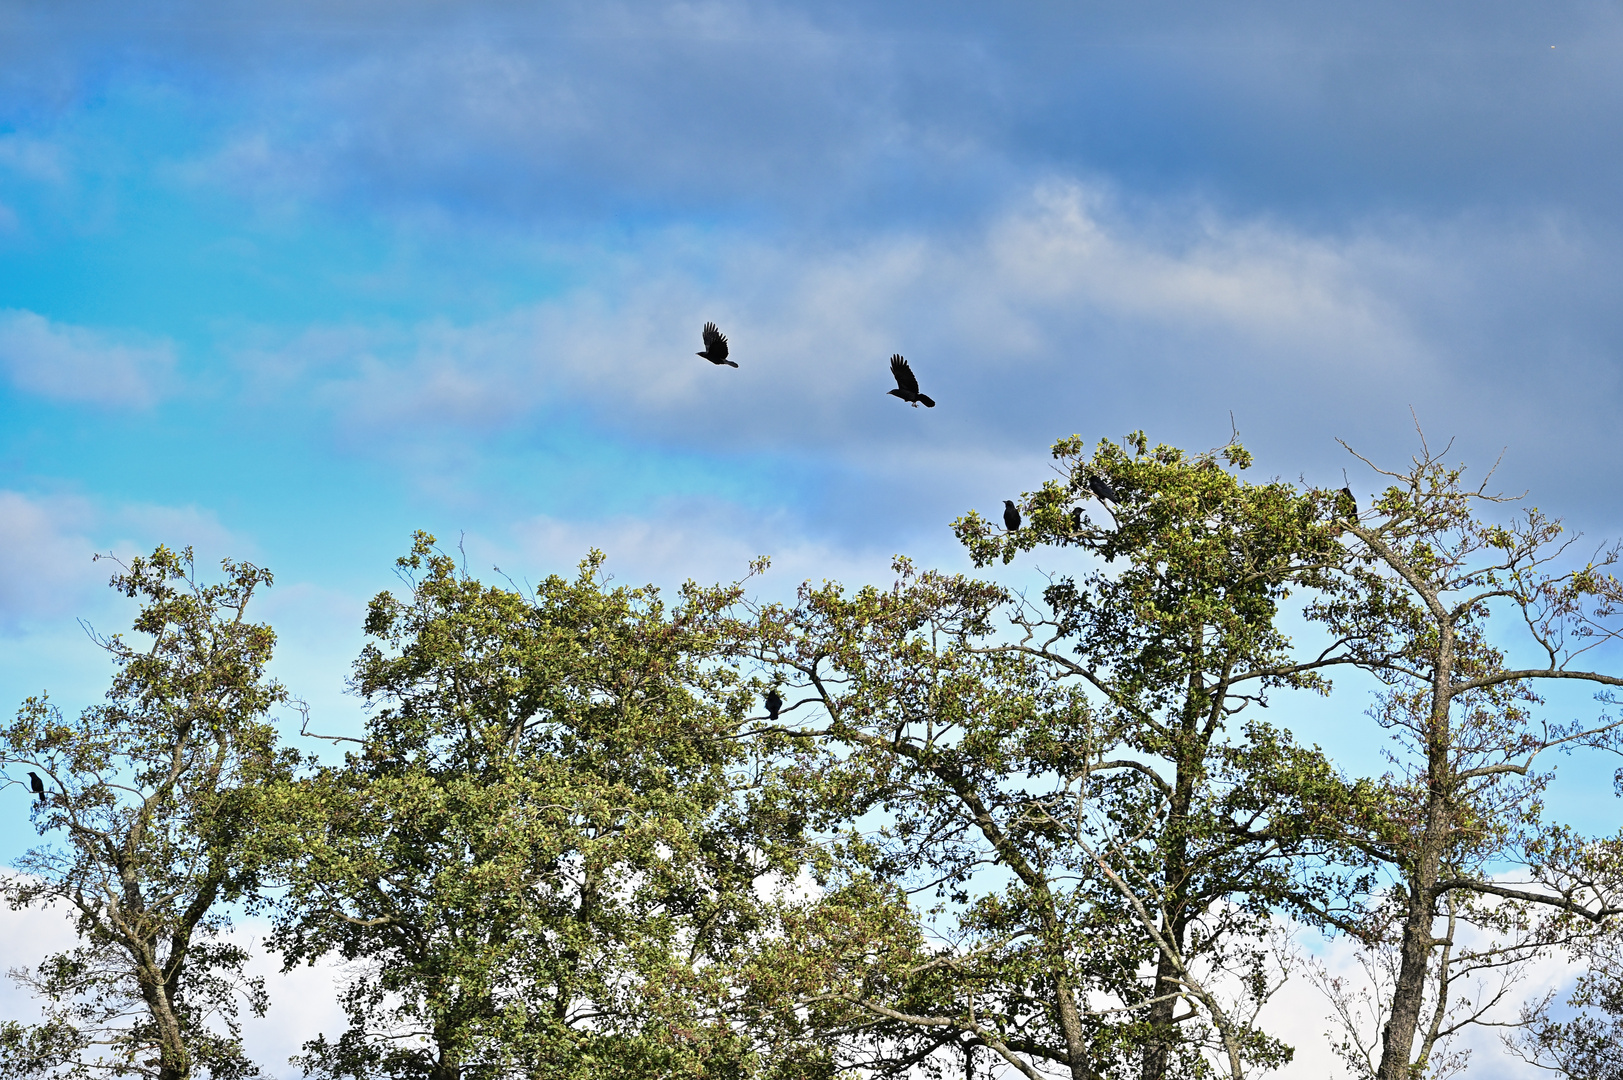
point(286, 282)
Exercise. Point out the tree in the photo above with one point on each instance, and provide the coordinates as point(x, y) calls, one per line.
point(1182, 649)
point(541, 857)
point(1486, 951)
point(1412, 604)
point(1083, 792)
point(925, 736)
point(1408, 597)
point(150, 796)
point(1589, 1044)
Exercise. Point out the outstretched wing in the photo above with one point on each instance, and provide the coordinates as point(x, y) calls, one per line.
point(715, 342)
point(905, 380)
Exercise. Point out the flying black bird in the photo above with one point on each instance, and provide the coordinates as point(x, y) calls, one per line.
point(1101, 488)
point(715, 346)
point(1346, 505)
point(38, 785)
point(773, 703)
point(1011, 516)
point(907, 385)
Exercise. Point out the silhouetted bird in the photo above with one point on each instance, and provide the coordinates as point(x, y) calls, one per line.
point(773, 703)
point(1346, 505)
point(38, 786)
point(1101, 488)
point(1011, 515)
point(1076, 519)
point(907, 386)
point(715, 346)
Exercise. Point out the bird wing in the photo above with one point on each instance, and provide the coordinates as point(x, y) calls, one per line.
point(905, 380)
point(715, 342)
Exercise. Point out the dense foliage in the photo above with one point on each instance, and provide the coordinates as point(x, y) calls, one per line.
point(547, 851)
point(1062, 834)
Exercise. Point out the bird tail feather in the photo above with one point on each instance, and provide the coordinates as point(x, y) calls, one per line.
point(928, 403)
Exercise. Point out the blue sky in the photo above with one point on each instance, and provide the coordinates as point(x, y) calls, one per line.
point(289, 281)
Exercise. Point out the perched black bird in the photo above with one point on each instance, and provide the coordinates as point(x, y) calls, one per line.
point(1076, 519)
point(1101, 488)
point(773, 703)
point(715, 346)
point(907, 386)
point(38, 785)
point(1346, 505)
point(1011, 516)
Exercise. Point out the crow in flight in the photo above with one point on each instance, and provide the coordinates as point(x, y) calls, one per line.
point(773, 703)
point(907, 386)
point(1101, 488)
point(715, 346)
point(1347, 506)
point(38, 785)
point(1011, 516)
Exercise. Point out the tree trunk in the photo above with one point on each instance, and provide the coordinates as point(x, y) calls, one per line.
point(1160, 1017)
point(1397, 1042)
point(1162, 1029)
point(176, 1060)
point(1070, 1022)
point(447, 1059)
point(1190, 764)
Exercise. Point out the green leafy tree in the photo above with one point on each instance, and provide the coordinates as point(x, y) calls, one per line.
point(148, 810)
point(925, 746)
point(1077, 783)
point(545, 854)
point(1413, 603)
point(1406, 595)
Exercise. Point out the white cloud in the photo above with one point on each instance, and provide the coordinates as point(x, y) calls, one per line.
point(47, 569)
point(303, 1001)
point(1302, 1014)
point(73, 363)
point(678, 540)
point(141, 525)
point(1062, 291)
point(27, 936)
point(1068, 312)
point(303, 1004)
point(48, 572)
